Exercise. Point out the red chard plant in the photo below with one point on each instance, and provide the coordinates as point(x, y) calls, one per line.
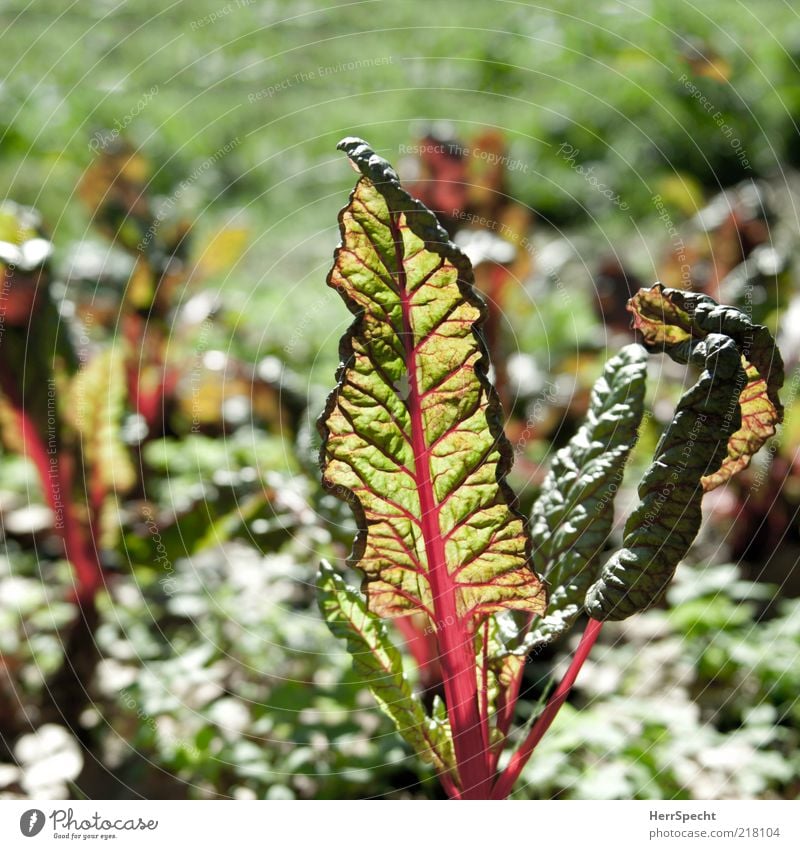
point(64, 415)
point(412, 439)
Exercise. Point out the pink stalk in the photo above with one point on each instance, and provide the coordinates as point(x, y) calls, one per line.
point(421, 643)
point(484, 694)
point(505, 783)
point(456, 641)
point(450, 787)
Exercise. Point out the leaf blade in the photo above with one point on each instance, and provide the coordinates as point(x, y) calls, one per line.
point(95, 411)
point(412, 435)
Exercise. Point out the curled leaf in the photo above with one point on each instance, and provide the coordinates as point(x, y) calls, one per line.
point(664, 524)
point(670, 317)
point(412, 436)
point(379, 665)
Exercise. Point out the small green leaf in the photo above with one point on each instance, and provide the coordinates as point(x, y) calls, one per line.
point(441, 732)
point(574, 514)
point(502, 674)
point(380, 666)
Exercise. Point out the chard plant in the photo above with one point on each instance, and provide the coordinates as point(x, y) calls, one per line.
point(412, 439)
point(62, 410)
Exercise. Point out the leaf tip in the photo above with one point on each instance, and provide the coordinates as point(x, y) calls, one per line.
point(349, 143)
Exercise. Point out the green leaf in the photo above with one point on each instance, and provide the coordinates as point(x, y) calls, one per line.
point(223, 528)
point(412, 434)
point(380, 666)
point(671, 318)
point(441, 733)
point(574, 514)
point(662, 527)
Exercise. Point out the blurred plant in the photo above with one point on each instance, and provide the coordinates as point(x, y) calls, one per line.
point(64, 415)
point(115, 188)
point(76, 396)
point(413, 441)
point(207, 389)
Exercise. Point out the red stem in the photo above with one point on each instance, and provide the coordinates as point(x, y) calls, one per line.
point(484, 695)
point(131, 330)
point(421, 642)
point(97, 497)
point(146, 356)
point(55, 473)
point(450, 787)
point(505, 784)
point(456, 642)
point(80, 551)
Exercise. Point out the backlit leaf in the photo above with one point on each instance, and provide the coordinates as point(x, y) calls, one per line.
point(412, 436)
